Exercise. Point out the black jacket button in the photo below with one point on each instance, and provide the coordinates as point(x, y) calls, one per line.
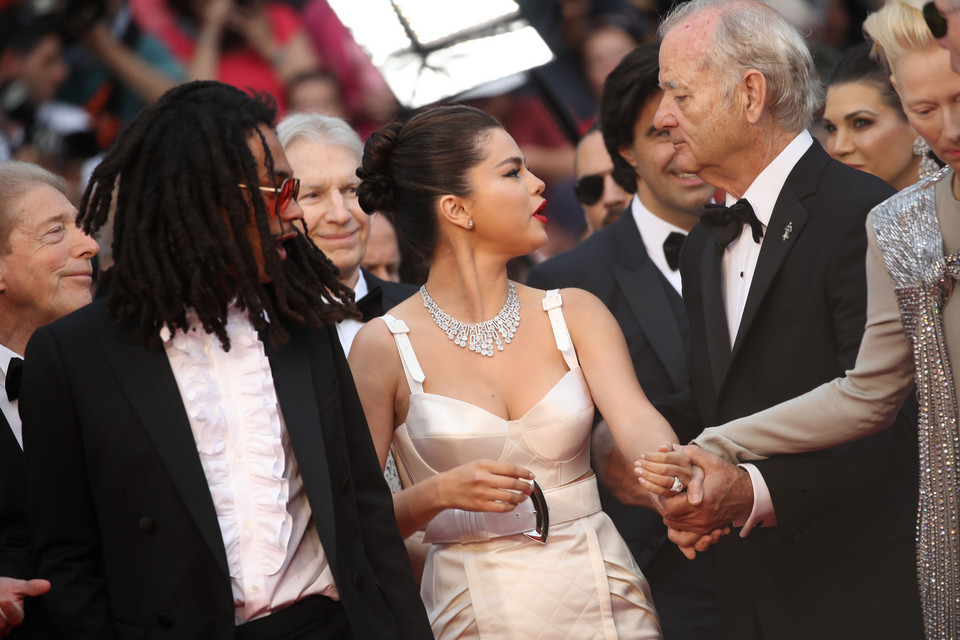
point(165, 620)
point(147, 525)
point(357, 579)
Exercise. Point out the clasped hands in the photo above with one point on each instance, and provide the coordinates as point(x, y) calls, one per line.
point(716, 494)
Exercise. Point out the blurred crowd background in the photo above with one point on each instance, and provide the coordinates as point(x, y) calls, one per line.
point(73, 72)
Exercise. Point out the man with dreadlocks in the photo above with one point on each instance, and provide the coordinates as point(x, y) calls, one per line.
point(197, 458)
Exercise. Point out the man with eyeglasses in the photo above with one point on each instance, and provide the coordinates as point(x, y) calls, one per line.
point(197, 459)
point(45, 273)
point(602, 199)
point(631, 265)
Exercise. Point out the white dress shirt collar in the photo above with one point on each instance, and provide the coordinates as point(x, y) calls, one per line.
point(10, 409)
point(763, 192)
point(348, 328)
point(654, 231)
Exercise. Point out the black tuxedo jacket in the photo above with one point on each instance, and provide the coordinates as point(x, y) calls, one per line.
point(121, 513)
point(840, 563)
point(15, 549)
point(14, 531)
point(393, 293)
point(613, 265)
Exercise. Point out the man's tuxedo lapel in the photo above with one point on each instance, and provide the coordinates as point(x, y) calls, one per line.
point(714, 314)
point(146, 378)
point(645, 294)
point(8, 441)
point(297, 395)
point(644, 289)
point(786, 224)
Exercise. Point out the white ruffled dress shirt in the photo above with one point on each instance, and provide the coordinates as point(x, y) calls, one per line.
point(273, 550)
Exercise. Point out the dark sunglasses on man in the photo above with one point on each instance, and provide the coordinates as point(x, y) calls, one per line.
point(589, 189)
point(935, 20)
point(288, 191)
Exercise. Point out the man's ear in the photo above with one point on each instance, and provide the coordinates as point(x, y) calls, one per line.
point(454, 210)
point(626, 152)
point(754, 95)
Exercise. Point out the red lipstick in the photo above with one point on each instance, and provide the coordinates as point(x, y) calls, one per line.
point(539, 213)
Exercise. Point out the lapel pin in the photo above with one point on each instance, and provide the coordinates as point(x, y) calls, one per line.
point(787, 231)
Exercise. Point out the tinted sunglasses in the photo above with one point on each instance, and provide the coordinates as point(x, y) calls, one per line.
point(288, 191)
point(935, 20)
point(589, 189)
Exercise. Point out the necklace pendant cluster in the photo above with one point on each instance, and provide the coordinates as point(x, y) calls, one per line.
point(482, 337)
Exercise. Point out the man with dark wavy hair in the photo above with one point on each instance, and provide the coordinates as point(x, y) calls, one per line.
point(215, 477)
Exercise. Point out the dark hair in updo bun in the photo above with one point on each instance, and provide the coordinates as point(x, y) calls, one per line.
point(407, 167)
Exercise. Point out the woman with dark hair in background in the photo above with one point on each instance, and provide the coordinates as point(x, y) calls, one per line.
point(866, 126)
point(491, 397)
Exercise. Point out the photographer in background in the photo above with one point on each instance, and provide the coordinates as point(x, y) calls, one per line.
point(34, 127)
point(115, 68)
point(248, 44)
point(31, 71)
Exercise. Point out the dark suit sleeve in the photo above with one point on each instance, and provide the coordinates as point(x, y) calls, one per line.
point(63, 520)
point(382, 541)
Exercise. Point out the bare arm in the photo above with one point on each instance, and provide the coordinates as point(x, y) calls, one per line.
point(144, 80)
point(635, 424)
point(206, 54)
point(289, 59)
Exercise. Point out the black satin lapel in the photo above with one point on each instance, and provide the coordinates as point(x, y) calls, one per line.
point(644, 291)
point(7, 439)
point(787, 222)
point(146, 378)
point(296, 389)
point(714, 314)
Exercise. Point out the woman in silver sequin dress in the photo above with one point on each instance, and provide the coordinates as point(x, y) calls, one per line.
point(913, 324)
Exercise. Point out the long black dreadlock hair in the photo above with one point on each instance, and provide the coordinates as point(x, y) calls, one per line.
point(180, 224)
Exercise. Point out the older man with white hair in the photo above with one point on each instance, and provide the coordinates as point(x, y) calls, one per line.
point(774, 287)
point(324, 153)
point(45, 273)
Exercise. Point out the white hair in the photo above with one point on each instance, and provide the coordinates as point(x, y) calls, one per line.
point(752, 35)
point(315, 127)
point(16, 179)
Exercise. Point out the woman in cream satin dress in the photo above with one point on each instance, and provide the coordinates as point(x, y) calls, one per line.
point(912, 334)
point(474, 429)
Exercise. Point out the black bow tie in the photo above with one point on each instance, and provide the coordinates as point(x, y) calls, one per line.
point(14, 377)
point(671, 249)
point(371, 305)
point(724, 223)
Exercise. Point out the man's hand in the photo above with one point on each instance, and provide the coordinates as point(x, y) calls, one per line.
point(12, 594)
point(698, 517)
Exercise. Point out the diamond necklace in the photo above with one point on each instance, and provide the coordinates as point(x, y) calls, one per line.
point(480, 337)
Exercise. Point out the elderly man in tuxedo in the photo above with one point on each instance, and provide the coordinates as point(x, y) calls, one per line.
point(631, 266)
point(324, 153)
point(45, 273)
point(198, 463)
point(774, 286)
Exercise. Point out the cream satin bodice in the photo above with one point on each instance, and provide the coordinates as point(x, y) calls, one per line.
point(551, 439)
